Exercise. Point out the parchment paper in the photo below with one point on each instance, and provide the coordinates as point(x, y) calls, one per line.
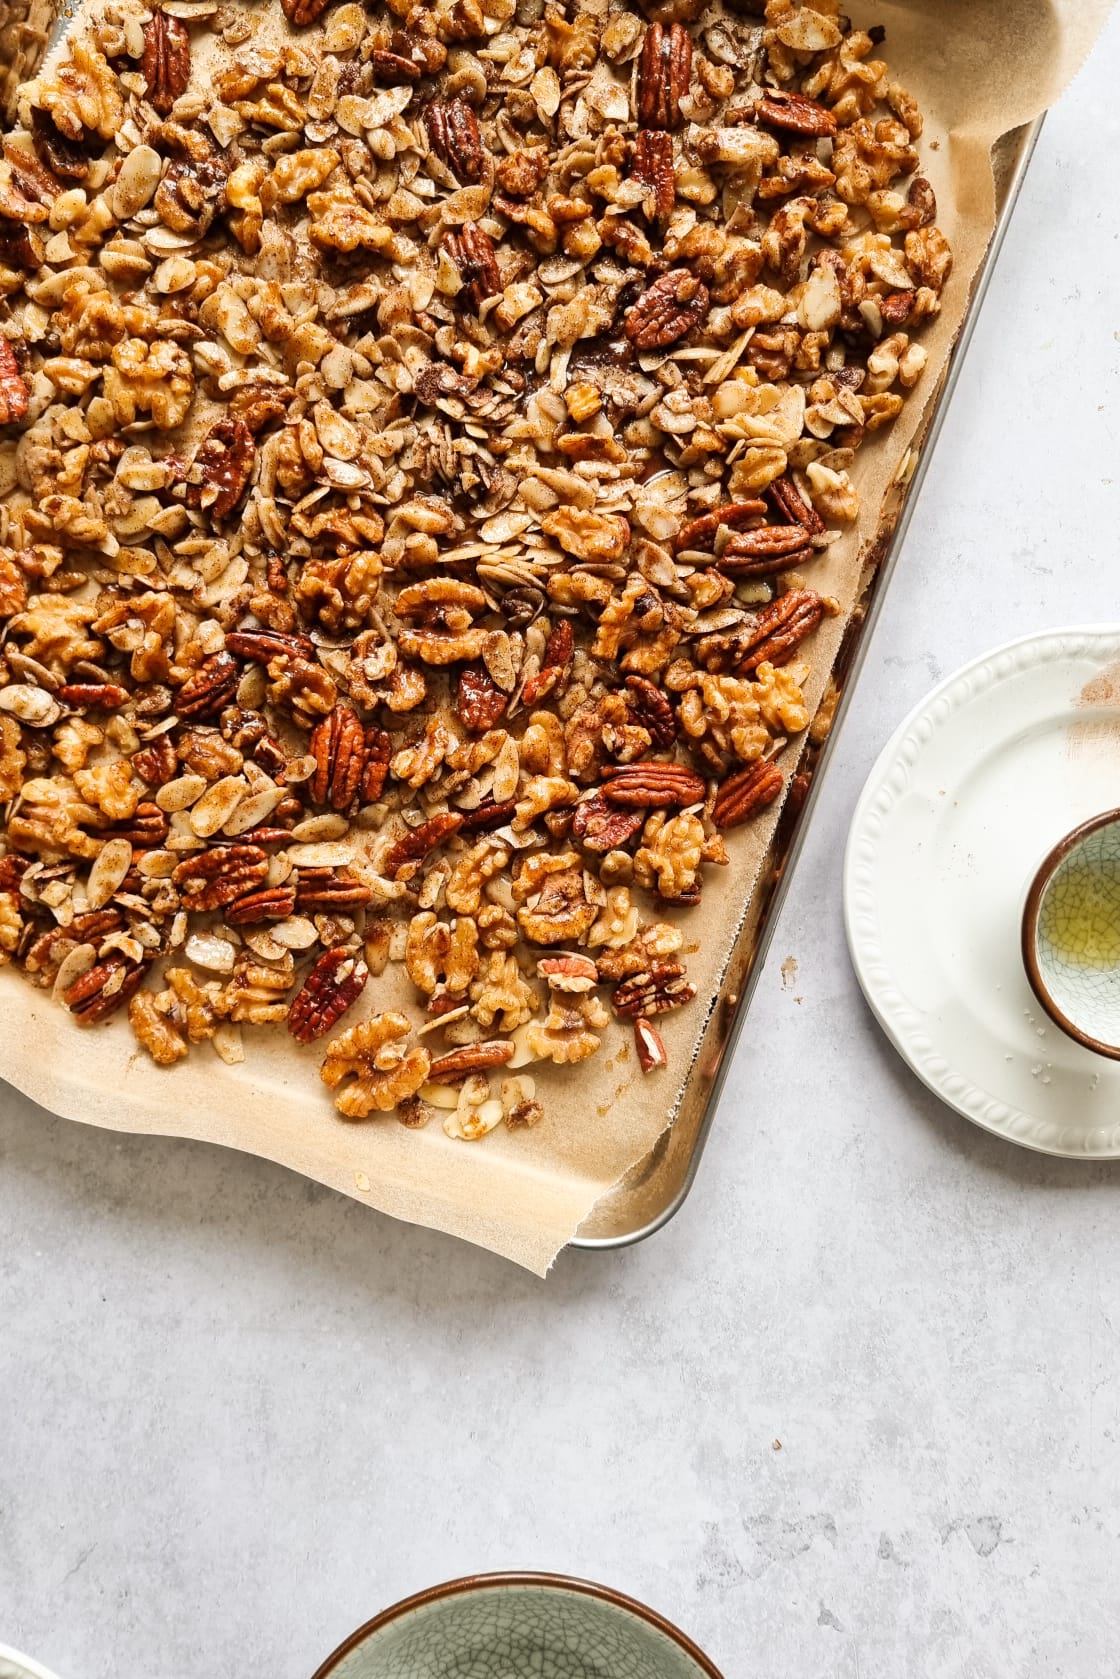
point(978, 68)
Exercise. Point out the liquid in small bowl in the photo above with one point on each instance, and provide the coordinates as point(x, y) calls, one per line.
point(1071, 934)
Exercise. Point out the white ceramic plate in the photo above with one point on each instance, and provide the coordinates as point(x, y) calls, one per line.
point(15, 1666)
point(993, 767)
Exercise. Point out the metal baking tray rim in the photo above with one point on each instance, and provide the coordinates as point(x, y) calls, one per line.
point(783, 866)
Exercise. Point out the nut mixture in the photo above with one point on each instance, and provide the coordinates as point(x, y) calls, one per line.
point(417, 422)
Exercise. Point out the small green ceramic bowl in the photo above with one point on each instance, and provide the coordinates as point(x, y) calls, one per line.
point(1071, 934)
point(518, 1626)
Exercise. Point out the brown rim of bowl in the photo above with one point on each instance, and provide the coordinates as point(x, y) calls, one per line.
point(488, 1582)
point(1029, 940)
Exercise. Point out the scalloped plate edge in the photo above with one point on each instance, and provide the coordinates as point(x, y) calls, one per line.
point(905, 1026)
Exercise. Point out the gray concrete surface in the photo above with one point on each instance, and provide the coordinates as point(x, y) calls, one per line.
point(240, 1413)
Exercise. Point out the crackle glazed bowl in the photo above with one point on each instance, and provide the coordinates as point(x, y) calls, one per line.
point(15, 1666)
point(510, 1626)
point(1071, 934)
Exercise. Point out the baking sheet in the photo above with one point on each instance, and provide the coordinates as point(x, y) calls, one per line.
point(654, 1190)
point(525, 1194)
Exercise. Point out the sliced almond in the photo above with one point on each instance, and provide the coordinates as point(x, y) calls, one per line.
point(228, 1045)
point(158, 865)
point(110, 866)
point(136, 184)
point(32, 706)
point(261, 942)
point(295, 933)
point(217, 805)
point(253, 810)
point(211, 951)
point(320, 856)
point(181, 793)
point(326, 827)
point(75, 963)
point(440, 1095)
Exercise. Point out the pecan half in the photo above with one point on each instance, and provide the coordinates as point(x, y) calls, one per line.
point(655, 990)
point(781, 628)
point(453, 133)
point(334, 985)
point(559, 647)
point(649, 1045)
point(223, 464)
point(745, 793)
point(794, 112)
point(341, 747)
point(650, 786)
point(271, 903)
point(651, 711)
point(672, 306)
point(487, 816)
point(14, 394)
point(602, 827)
point(479, 701)
point(556, 663)
point(212, 687)
point(300, 13)
point(103, 989)
point(419, 841)
point(266, 836)
point(472, 252)
point(472, 1058)
point(331, 890)
point(664, 72)
point(145, 829)
point(766, 551)
point(166, 60)
point(797, 510)
point(216, 877)
point(95, 926)
point(653, 169)
point(265, 645)
point(379, 750)
point(392, 68)
point(82, 695)
point(701, 532)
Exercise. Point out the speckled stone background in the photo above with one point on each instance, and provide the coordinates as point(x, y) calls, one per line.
point(240, 1414)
